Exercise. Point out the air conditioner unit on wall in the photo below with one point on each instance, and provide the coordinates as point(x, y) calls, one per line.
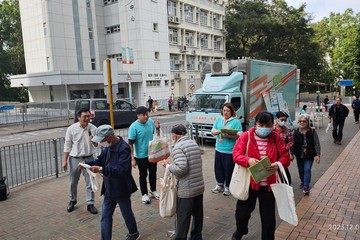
point(177, 76)
point(177, 19)
point(177, 62)
point(219, 67)
point(171, 19)
point(184, 48)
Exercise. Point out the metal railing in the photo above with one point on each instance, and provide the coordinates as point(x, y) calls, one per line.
point(28, 162)
point(37, 113)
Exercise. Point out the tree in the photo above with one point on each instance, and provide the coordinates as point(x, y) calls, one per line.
point(274, 31)
point(12, 61)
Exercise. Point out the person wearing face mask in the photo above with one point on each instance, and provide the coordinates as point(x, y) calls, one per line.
point(285, 134)
point(77, 148)
point(224, 163)
point(261, 141)
point(114, 163)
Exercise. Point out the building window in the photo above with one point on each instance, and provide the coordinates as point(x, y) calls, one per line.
point(188, 13)
point(113, 29)
point(203, 17)
point(156, 27)
point(171, 8)
point(93, 64)
point(204, 41)
point(107, 2)
point(189, 39)
point(217, 42)
point(216, 21)
point(175, 62)
point(173, 36)
point(190, 62)
point(91, 35)
point(117, 56)
point(157, 55)
point(153, 83)
point(45, 28)
point(48, 64)
point(88, 3)
point(167, 83)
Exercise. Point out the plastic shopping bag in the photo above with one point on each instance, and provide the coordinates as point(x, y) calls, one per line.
point(168, 194)
point(95, 180)
point(284, 195)
point(328, 127)
point(158, 149)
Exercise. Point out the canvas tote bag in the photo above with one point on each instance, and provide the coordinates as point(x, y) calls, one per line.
point(240, 180)
point(168, 194)
point(284, 196)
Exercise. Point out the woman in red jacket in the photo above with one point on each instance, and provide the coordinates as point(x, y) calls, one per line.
point(262, 142)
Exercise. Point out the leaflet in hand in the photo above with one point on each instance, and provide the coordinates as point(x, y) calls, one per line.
point(259, 171)
point(84, 165)
point(229, 131)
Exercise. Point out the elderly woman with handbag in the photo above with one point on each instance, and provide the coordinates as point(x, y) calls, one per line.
point(252, 146)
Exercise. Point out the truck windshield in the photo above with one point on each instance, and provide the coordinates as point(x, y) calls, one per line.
point(207, 103)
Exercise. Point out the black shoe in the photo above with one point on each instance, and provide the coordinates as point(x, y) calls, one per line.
point(71, 206)
point(91, 208)
point(338, 143)
point(335, 141)
point(236, 236)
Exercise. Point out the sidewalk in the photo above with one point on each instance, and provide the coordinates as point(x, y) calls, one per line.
point(332, 211)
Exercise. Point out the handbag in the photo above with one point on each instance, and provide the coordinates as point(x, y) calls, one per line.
point(168, 194)
point(284, 196)
point(158, 149)
point(240, 180)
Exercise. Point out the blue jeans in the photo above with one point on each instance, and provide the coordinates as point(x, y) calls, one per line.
point(304, 167)
point(224, 166)
point(108, 208)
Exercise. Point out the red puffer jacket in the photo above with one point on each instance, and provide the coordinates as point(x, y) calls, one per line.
point(276, 151)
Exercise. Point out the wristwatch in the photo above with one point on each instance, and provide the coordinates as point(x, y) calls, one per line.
point(100, 170)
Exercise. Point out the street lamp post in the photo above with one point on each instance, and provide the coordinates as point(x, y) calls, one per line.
point(67, 100)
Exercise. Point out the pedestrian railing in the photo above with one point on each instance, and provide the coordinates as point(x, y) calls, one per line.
point(28, 162)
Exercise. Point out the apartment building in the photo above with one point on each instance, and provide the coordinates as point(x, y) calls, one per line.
point(158, 47)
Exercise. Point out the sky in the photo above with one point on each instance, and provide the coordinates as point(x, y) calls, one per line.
point(322, 8)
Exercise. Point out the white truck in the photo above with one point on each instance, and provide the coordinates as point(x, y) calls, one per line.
point(250, 85)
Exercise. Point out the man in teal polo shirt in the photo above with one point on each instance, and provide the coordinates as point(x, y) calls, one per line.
point(141, 132)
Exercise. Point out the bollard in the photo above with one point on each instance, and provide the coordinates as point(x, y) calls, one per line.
point(56, 158)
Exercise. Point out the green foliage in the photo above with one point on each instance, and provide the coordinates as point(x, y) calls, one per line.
point(12, 61)
point(275, 31)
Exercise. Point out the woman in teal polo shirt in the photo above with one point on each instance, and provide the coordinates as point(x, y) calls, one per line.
point(225, 141)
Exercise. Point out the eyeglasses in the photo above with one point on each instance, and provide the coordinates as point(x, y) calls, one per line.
point(302, 121)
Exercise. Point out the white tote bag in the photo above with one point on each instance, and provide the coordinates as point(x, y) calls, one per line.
point(240, 180)
point(168, 194)
point(284, 196)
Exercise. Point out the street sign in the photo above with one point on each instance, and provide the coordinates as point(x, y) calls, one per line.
point(192, 79)
point(346, 82)
point(192, 86)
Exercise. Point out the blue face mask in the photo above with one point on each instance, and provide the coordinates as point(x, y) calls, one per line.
point(281, 123)
point(263, 132)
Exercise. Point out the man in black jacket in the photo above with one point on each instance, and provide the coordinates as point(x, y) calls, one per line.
point(338, 112)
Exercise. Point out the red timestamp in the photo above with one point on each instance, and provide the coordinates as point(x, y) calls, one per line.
point(346, 227)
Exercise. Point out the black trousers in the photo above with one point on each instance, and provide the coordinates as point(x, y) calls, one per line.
point(185, 209)
point(267, 213)
point(356, 115)
point(144, 167)
point(338, 130)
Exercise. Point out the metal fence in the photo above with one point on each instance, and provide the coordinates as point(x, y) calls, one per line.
point(27, 162)
point(37, 113)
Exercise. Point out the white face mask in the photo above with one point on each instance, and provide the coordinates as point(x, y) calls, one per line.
point(281, 123)
point(104, 144)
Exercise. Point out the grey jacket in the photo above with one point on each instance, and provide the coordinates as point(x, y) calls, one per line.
point(187, 168)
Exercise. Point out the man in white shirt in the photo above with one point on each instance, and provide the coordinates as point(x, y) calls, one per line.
point(78, 148)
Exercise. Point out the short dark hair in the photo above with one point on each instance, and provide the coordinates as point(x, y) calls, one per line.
point(141, 110)
point(229, 106)
point(81, 110)
point(281, 114)
point(304, 107)
point(179, 129)
point(264, 118)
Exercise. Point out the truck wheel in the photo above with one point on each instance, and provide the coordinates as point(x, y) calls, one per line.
point(103, 122)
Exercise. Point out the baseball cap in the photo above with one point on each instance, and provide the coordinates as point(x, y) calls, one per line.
point(179, 129)
point(102, 132)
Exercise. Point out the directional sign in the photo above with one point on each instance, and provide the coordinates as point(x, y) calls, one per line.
point(346, 82)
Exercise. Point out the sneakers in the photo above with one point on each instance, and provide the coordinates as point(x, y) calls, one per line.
point(134, 236)
point(217, 189)
point(226, 192)
point(145, 199)
point(306, 191)
point(154, 194)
